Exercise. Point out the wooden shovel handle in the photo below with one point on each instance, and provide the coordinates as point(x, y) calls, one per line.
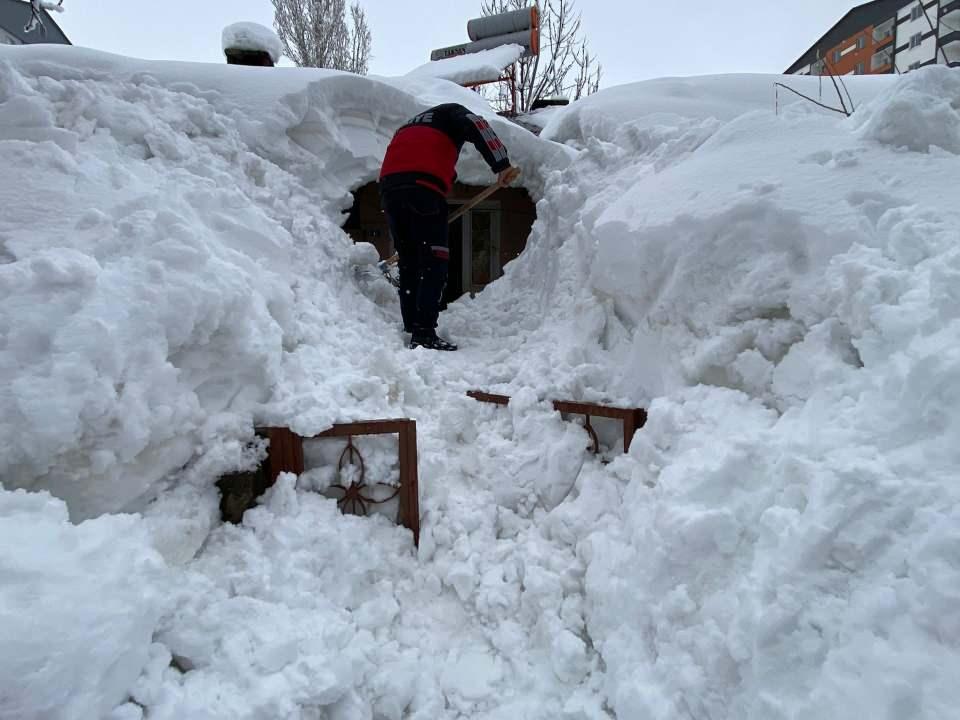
point(514, 173)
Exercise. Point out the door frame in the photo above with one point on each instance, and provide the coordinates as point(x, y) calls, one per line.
point(496, 267)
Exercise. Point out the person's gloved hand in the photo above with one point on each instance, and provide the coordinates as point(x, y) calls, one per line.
point(508, 176)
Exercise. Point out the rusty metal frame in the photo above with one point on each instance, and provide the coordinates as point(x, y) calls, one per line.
point(510, 78)
point(286, 455)
point(632, 418)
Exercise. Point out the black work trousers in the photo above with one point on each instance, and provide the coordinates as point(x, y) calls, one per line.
point(417, 217)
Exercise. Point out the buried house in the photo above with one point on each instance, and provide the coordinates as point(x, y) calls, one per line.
point(482, 241)
point(491, 234)
point(487, 236)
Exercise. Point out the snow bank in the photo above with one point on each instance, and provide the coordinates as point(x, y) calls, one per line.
point(921, 113)
point(478, 67)
point(193, 256)
point(172, 272)
point(78, 607)
point(669, 101)
point(252, 36)
point(779, 542)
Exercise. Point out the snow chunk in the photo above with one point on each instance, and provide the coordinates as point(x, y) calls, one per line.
point(252, 36)
point(78, 607)
point(920, 112)
point(483, 66)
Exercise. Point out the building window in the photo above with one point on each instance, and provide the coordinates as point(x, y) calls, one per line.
point(859, 70)
point(861, 42)
point(916, 12)
point(836, 56)
point(916, 41)
point(884, 30)
point(881, 59)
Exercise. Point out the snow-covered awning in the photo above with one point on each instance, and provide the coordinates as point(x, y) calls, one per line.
point(481, 67)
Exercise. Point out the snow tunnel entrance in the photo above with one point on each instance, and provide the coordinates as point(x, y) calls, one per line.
point(482, 242)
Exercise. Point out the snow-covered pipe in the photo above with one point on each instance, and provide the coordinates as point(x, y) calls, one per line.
point(508, 23)
point(520, 27)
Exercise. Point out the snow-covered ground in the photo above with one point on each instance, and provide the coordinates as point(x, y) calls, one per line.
point(780, 291)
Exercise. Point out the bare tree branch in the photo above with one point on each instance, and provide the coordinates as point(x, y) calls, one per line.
point(315, 33)
point(361, 41)
point(565, 65)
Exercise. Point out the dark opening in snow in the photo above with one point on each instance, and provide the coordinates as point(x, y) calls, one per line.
point(482, 242)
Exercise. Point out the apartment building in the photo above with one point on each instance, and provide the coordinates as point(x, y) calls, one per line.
point(928, 33)
point(886, 36)
point(15, 16)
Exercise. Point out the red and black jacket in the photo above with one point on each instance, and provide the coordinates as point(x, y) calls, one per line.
point(426, 149)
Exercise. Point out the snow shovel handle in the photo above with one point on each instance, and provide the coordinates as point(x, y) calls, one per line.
point(483, 195)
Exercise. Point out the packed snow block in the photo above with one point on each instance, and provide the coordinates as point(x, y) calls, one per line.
point(920, 113)
point(248, 43)
point(78, 607)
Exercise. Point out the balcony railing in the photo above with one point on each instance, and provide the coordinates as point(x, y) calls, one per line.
point(948, 7)
point(884, 32)
point(950, 23)
point(882, 59)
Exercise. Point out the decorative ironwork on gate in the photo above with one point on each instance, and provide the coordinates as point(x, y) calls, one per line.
point(286, 455)
point(356, 499)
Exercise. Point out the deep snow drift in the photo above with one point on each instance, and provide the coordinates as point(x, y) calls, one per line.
point(781, 542)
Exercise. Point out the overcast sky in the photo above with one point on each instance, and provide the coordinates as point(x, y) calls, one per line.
point(634, 39)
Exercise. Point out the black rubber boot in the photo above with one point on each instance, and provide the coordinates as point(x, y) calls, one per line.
point(431, 342)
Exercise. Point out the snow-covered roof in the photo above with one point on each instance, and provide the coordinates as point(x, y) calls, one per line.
point(252, 36)
point(480, 67)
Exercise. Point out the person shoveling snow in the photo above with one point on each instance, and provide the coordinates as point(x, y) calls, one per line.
point(417, 174)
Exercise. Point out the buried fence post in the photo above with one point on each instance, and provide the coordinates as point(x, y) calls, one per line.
point(410, 480)
point(285, 454)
